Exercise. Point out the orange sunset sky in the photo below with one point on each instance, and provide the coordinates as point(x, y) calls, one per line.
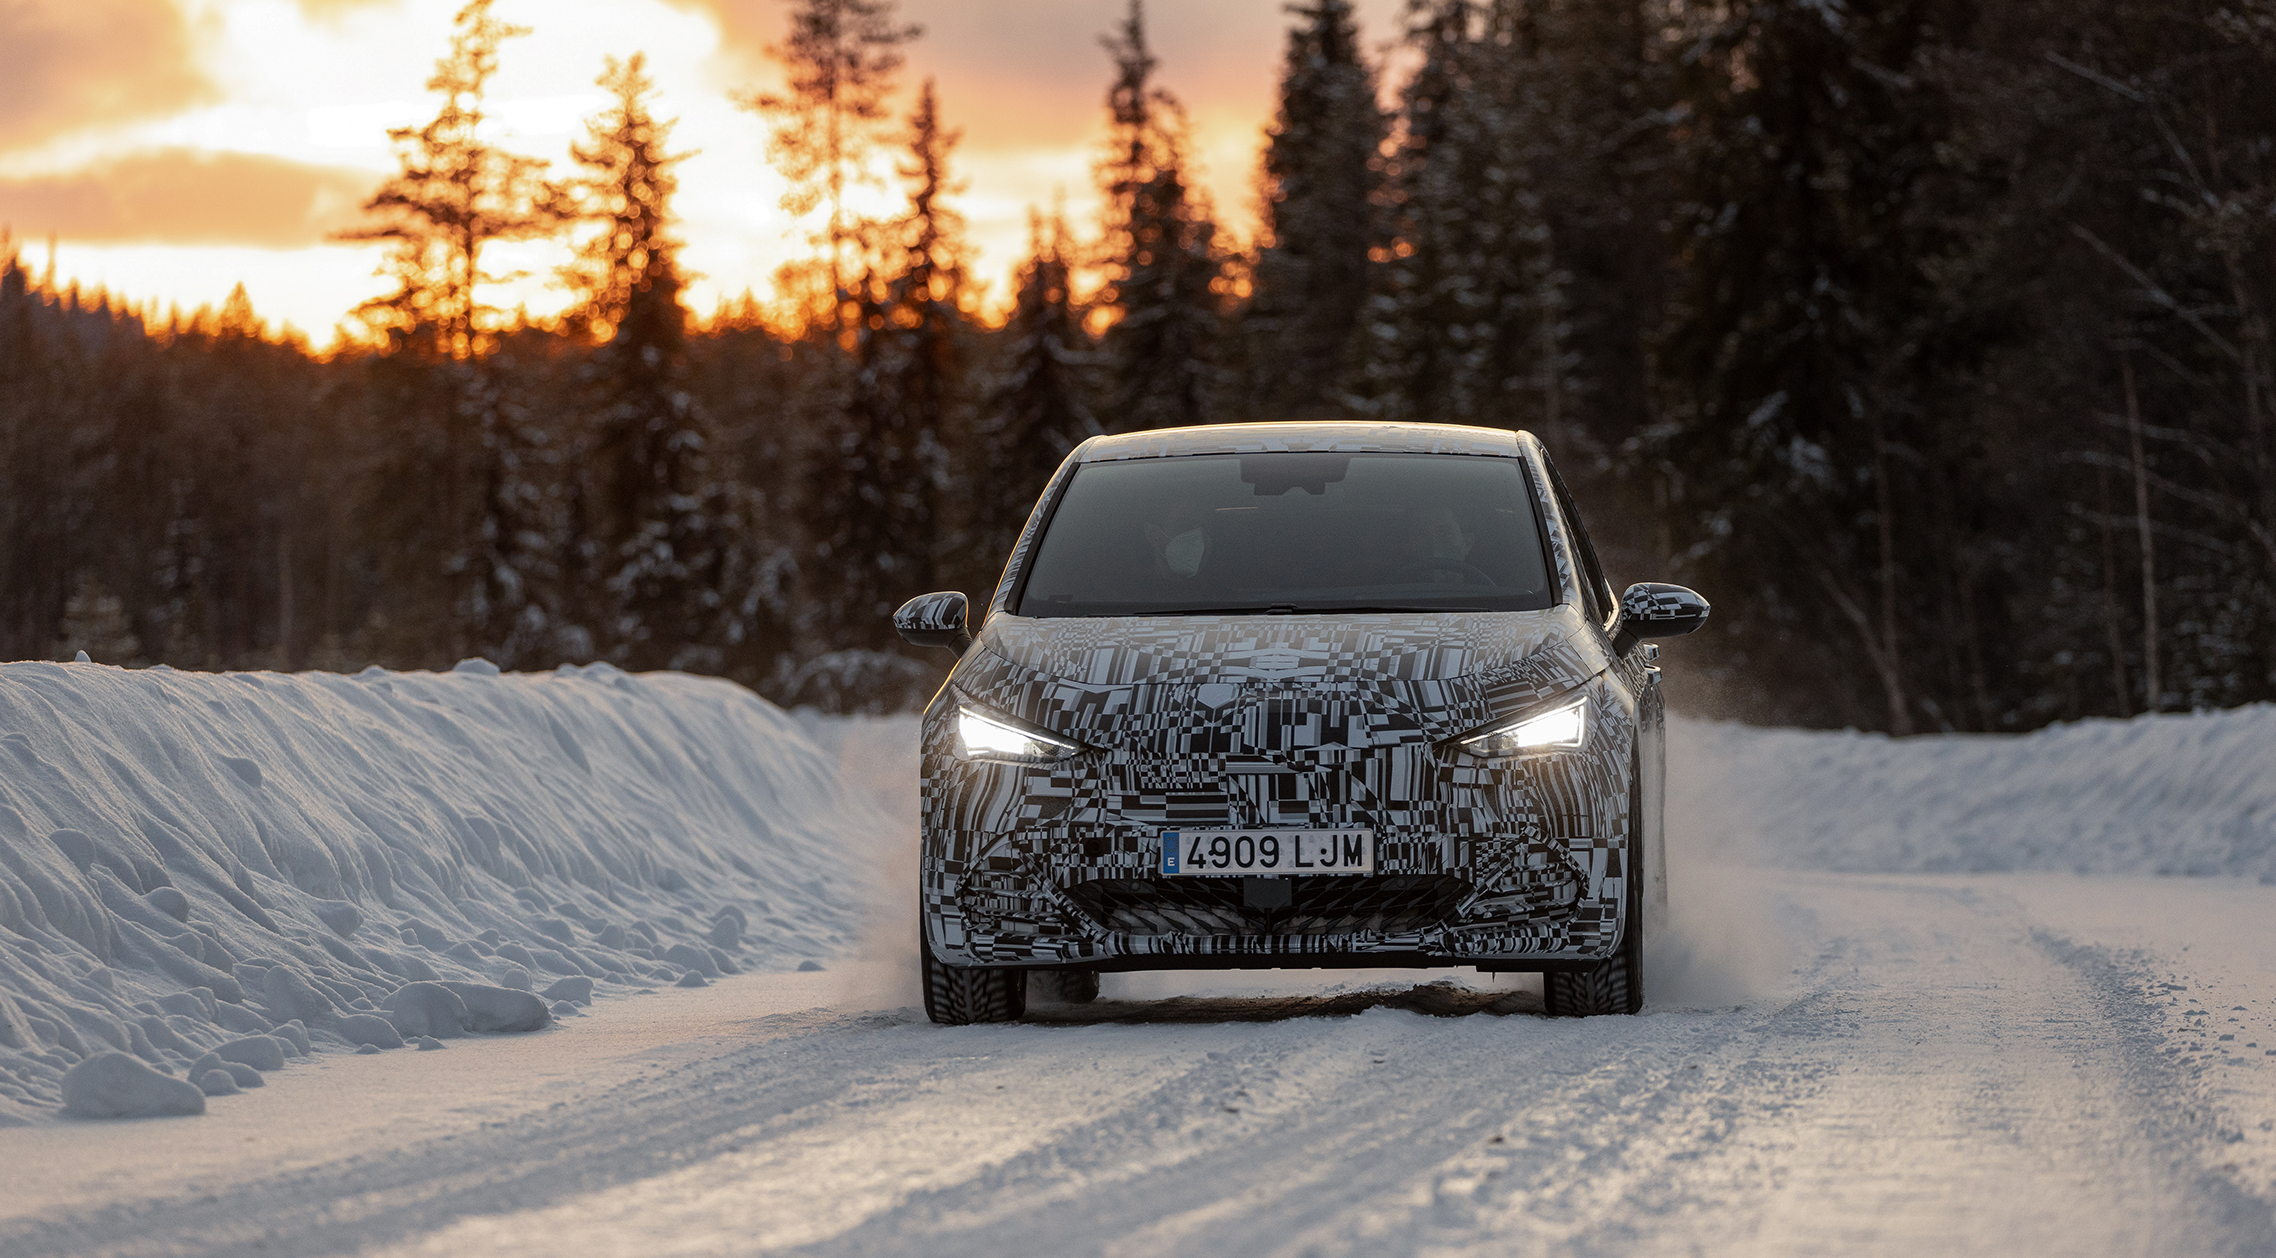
point(174, 148)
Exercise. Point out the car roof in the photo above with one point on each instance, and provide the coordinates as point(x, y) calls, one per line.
point(1337, 436)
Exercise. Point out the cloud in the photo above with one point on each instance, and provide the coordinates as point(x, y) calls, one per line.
point(67, 65)
point(1029, 74)
point(185, 196)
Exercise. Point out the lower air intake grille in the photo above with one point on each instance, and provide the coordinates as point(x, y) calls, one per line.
point(1317, 906)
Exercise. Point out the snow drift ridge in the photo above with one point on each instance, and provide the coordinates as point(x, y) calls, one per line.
point(2169, 794)
point(189, 859)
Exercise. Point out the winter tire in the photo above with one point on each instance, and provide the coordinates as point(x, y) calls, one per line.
point(1615, 984)
point(1068, 987)
point(962, 995)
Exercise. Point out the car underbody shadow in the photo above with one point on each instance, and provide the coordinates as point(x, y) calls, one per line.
point(1441, 999)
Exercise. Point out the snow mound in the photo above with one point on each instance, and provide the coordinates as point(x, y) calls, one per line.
point(114, 1085)
point(256, 865)
point(2169, 794)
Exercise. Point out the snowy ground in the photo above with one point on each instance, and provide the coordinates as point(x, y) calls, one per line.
point(1843, 1054)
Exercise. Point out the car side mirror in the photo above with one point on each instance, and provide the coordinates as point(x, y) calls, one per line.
point(936, 619)
point(1652, 610)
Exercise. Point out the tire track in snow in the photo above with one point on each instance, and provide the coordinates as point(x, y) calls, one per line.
point(1345, 1130)
point(1976, 1092)
point(1945, 1081)
point(2186, 1123)
point(661, 1120)
point(955, 1104)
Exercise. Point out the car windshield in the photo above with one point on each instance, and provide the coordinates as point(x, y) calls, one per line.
point(1291, 532)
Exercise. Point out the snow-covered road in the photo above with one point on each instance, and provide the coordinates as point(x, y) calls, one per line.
point(1840, 1054)
point(1982, 1064)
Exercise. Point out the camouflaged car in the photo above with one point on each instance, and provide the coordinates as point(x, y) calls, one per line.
point(1289, 696)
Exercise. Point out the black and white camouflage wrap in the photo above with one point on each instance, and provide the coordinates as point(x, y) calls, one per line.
point(1647, 605)
point(938, 613)
point(1287, 722)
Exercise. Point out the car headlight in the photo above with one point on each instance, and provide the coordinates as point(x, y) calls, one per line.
point(1558, 729)
point(983, 735)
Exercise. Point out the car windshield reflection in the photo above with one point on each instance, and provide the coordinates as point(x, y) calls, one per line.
point(1291, 533)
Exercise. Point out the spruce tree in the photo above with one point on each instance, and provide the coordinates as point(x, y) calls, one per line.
point(512, 602)
point(1164, 263)
point(455, 194)
point(41, 424)
point(657, 530)
point(1465, 322)
point(1798, 351)
point(1039, 402)
point(842, 59)
point(1322, 171)
point(881, 484)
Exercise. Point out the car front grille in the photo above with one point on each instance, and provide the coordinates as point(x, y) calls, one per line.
point(1388, 905)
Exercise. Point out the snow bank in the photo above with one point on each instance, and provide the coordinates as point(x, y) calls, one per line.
point(262, 864)
point(2174, 794)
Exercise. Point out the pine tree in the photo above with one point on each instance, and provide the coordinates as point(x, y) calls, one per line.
point(1038, 406)
point(884, 479)
point(1321, 168)
point(38, 424)
point(1592, 100)
point(1792, 368)
point(1165, 266)
point(455, 194)
point(1466, 313)
point(1423, 361)
point(656, 530)
point(843, 58)
point(514, 605)
point(922, 347)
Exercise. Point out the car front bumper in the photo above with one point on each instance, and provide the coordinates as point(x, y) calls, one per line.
point(1519, 865)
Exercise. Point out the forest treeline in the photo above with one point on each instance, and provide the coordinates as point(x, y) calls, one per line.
point(1931, 339)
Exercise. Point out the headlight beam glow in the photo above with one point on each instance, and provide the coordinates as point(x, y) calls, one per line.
point(981, 735)
point(1559, 729)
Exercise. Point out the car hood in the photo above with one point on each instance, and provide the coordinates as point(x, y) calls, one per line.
point(1353, 681)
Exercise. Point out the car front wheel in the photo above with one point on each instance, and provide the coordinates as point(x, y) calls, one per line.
point(960, 995)
point(1615, 984)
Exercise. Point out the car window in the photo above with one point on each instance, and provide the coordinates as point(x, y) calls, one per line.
point(1301, 532)
point(1596, 592)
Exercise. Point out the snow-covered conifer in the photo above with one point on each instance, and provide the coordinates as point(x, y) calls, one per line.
point(1307, 306)
point(1165, 265)
point(1039, 403)
point(659, 531)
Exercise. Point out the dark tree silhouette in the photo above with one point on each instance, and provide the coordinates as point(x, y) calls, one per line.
point(1038, 405)
point(843, 59)
point(1811, 264)
point(657, 551)
point(1164, 267)
point(454, 194)
point(1321, 166)
point(887, 473)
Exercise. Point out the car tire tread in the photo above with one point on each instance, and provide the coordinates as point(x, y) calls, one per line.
point(957, 995)
point(1614, 985)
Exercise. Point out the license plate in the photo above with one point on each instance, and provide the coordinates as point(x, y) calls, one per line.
point(1250, 853)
